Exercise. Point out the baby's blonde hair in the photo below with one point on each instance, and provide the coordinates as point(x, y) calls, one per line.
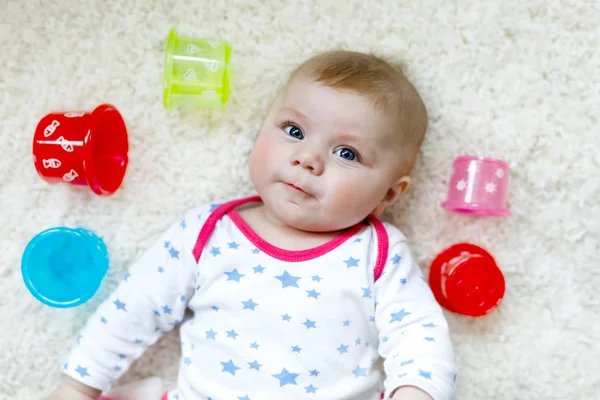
point(385, 85)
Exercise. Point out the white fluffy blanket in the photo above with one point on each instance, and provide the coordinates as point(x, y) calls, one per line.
point(514, 79)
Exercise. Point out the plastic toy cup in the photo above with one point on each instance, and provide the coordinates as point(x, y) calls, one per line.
point(196, 72)
point(64, 267)
point(82, 148)
point(466, 280)
point(478, 186)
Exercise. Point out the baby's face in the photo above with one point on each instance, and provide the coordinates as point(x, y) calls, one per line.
point(324, 158)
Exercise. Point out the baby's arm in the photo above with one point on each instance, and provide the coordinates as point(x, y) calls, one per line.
point(413, 334)
point(150, 301)
point(70, 389)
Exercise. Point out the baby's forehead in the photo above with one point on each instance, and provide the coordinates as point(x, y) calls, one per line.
point(347, 109)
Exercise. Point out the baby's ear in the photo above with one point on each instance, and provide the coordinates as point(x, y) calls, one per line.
point(397, 189)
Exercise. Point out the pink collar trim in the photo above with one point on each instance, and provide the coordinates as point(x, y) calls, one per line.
point(291, 255)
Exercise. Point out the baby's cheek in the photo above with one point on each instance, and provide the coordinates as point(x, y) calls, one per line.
point(260, 160)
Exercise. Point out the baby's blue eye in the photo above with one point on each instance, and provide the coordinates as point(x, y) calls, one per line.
point(294, 131)
point(347, 154)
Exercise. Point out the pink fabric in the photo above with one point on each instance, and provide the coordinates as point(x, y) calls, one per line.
point(383, 244)
point(288, 255)
point(165, 396)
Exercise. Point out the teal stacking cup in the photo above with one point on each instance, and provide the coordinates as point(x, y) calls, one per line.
point(196, 72)
point(64, 267)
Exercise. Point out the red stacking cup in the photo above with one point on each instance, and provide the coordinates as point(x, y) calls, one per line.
point(466, 280)
point(82, 148)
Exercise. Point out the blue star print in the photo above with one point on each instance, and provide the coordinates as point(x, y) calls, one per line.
point(357, 341)
point(399, 316)
point(249, 304)
point(255, 365)
point(243, 398)
point(347, 322)
point(407, 362)
point(395, 259)
point(310, 389)
point(122, 356)
point(309, 324)
point(230, 367)
point(286, 378)
point(234, 275)
point(187, 361)
point(66, 366)
point(314, 372)
point(167, 245)
point(233, 245)
point(120, 305)
point(259, 269)
point(254, 345)
point(429, 325)
point(232, 334)
point(161, 270)
point(211, 334)
point(313, 293)
point(167, 310)
point(343, 348)
point(316, 278)
point(215, 307)
point(174, 253)
point(357, 240)
point(213, 207)
point(351, 262)
point(288, 280)
point(182, 298)
point(183, 224)
point(286, 317)
point(82, 371)
point(256, 251)
point(358, 371)
point(366, 292)
point(127, 276)
point(403, 281)
point(215, 251)
point(425, 374)
point(430, 339)
point(296, 349)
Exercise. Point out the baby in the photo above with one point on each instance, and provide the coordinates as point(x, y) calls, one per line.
point(299, 292)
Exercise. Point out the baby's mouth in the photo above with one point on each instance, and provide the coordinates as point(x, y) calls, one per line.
point(297, 189)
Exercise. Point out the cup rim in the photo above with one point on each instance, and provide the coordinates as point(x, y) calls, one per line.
point(475, 209)
point(25, 264)
point(168, 68)
point(89, 167)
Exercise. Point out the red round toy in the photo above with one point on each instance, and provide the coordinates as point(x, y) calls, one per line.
point(465, 279)
point(82, 148)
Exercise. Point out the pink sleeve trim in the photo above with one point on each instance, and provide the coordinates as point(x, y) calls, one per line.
point(383, 244)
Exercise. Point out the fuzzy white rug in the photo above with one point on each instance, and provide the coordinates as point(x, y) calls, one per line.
point(514, 79)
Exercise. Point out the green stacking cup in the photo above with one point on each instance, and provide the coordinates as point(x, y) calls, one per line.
point(196, 72)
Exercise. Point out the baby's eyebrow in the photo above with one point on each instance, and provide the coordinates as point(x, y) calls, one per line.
point(296, 113)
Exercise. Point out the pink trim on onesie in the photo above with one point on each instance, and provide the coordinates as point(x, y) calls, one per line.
point(289, 255)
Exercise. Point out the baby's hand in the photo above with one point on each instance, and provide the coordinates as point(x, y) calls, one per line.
point(70, 389)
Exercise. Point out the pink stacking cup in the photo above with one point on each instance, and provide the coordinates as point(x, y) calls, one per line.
point(478, 186)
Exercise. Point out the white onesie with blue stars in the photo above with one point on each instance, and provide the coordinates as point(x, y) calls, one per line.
point(270, 323)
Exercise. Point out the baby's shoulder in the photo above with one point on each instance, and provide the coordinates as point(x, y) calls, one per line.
point(387, 232)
